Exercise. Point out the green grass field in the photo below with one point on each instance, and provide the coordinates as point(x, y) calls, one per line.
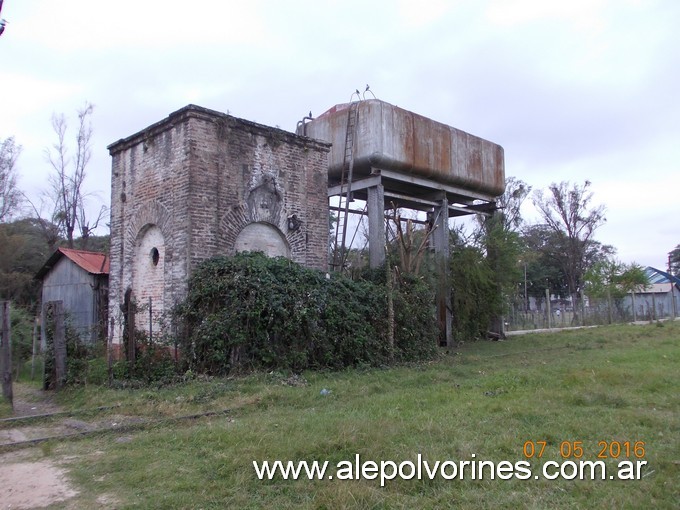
point(570, 389)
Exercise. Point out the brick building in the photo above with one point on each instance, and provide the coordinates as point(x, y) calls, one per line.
point(201, 183)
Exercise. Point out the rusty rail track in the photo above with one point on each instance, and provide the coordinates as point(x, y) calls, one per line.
point(57, 414)
point(105, 430)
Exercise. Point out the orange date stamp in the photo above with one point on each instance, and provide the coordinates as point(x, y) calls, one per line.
point(577, 449)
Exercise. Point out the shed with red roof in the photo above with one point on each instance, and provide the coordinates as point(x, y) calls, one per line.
point(80, 280)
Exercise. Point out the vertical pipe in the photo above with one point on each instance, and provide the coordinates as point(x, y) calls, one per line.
point(376, 225)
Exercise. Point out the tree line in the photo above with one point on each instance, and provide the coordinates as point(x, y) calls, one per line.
point(505, 263)
point(503, 258)
point(30, 230)
point(557, 256)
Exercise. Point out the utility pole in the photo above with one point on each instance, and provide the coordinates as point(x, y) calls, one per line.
point(6, 352)
point(670, 274)
point(526, 301)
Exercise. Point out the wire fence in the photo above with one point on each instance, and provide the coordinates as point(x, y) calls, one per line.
point(596, 312)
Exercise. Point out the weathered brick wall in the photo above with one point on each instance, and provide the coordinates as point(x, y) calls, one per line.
point(199, 178)
point(252, 173)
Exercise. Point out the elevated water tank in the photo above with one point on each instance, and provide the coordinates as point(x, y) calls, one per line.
point(391, 138)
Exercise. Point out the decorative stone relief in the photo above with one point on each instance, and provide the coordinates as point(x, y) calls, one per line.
point(264, 202)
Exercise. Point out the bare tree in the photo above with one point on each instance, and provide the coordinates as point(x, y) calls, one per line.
point(510, 203)
point(569, 213)
point(10, 196)
point(65, 195)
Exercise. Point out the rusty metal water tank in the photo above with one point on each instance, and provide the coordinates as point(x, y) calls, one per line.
point(391, 138)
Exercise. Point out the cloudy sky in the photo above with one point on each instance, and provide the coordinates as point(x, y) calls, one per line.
point(573, 89)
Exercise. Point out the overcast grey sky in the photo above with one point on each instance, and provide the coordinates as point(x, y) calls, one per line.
point(573, 90)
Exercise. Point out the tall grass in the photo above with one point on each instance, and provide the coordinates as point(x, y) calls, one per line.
point(616, 383)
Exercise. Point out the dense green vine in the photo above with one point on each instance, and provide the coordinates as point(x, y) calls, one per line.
point(250, 311)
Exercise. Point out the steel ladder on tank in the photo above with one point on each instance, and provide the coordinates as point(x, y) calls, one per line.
point(340, 251)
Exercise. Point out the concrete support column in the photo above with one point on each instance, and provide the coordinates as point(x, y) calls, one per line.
point(440, 236)
point(440, 241)
point(376, 225)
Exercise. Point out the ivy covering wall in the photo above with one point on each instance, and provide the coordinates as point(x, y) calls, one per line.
point(250, 311)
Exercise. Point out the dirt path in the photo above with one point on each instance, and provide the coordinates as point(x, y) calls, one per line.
point(25, 482)
point(30, 400)
point(36, 484)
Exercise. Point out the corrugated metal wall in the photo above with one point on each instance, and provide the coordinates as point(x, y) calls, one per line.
point(78, 290)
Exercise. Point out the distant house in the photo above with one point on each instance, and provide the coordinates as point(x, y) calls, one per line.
point(80, 280)
point(657, 300)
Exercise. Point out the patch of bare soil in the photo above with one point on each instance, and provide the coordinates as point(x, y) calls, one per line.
point(25, 484)
point(29, 400)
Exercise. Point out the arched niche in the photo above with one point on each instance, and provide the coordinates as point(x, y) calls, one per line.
point(263, 237)
point(148, 278)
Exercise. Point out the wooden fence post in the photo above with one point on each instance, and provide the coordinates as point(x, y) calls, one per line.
point(35, 341)
point(6, 353)
point(109, 351)
point(59, 345)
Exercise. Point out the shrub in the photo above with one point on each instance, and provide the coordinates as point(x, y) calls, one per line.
point(476, 296)
point(250, 311)
point(416, 329)
point(22, 338)
point(154, 362)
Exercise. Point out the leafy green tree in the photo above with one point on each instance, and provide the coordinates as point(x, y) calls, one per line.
point(613, 280)
point(484, 268)
point(633, 278)
point(502, 250)
point(500, 236)
point(99, 244)
point(568, 212)
point(22, 338)
point(483, 275)
point(543, 252)
point(674, 257)
point(542, 256)
point(475, 297)
point(23, 251)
